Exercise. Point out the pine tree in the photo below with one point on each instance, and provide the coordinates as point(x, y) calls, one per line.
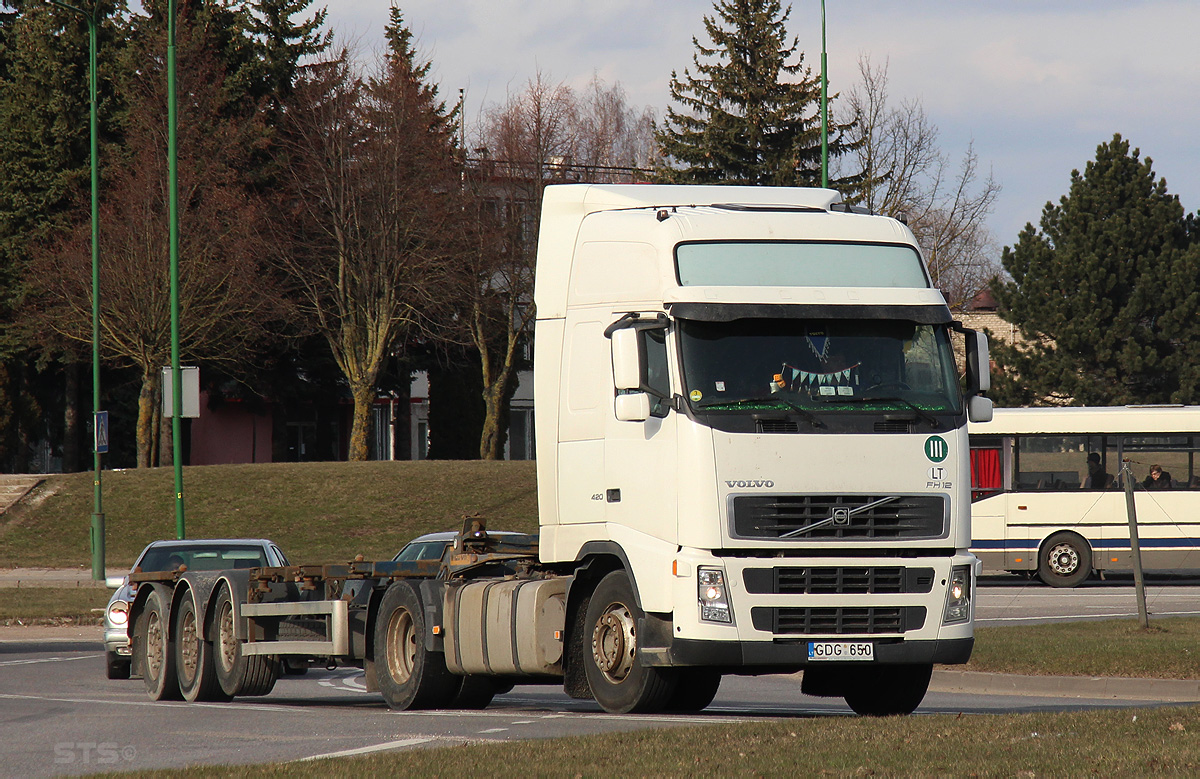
point(739, 121)
point(1105, 292)
point(282, 43)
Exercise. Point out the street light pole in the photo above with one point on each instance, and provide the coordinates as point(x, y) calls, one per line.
point(824, 106)
point(173, 219)
point(97, 529)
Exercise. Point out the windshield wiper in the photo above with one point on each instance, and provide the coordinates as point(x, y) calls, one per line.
point(802, 412)
point(920, 412)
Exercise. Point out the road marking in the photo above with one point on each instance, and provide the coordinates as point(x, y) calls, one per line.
point(47, 660)
point(1077, 617)
point(524, 722)
point(172, 704)
point(384, 747)
point(494, 730)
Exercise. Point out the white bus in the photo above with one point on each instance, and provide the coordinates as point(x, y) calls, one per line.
point(1048, 493)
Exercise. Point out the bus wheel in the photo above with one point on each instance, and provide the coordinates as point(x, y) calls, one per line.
point(194, 658)
point(238, 674)
point(619, 681)
point(889, 691)
point(410, 676)
point(1065, 560)
point(159, 664)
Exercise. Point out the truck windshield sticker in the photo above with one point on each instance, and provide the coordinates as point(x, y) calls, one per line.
point(696, 396)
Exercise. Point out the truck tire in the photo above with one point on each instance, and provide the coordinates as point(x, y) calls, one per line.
point(194, 658)
point(1065, 560)
point(115, 666)
point(237, 674)
point(409, 675)
point(475, 692)
point(159, 655)
point(889, 690)
point(695, 688)
point(620, 682)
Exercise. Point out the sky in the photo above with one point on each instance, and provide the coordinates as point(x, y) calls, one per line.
point(1034, 85)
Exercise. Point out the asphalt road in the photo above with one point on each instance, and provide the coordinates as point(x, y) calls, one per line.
point(59, 715)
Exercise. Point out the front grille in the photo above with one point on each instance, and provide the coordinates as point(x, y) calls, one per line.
point(826, 517)
point(853, 621)
point(837, 580)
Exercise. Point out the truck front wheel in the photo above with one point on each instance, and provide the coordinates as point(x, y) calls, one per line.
point(409, 675)
point(888, 690)
point(619, 681)
point(159, 656)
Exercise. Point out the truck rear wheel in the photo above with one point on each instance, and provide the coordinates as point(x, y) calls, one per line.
point(619, 681)
point(154, 640)
point(888, 690)
point(409, 675)
point(237, 674)
point(475, 692)
point(194, 658)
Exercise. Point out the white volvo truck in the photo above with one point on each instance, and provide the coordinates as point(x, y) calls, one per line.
point(752, 458)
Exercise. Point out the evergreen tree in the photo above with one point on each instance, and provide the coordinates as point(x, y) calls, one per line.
point(1105, 292)
point(282, 43)
point(739, 121)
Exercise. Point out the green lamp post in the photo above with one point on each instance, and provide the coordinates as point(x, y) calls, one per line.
point(173, 220)
point(99, 440)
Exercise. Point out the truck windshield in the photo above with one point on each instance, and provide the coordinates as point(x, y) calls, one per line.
point(829, 365)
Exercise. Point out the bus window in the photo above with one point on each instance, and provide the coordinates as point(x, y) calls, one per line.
point(1173, 454)
point(1064, 462)
point(986, 473)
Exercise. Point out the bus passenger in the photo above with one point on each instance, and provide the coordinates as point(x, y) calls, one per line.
point(1097, 477)
point(1158, 479)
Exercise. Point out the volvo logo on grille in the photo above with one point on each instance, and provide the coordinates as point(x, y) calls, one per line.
point(839, 516)
point(743, 483)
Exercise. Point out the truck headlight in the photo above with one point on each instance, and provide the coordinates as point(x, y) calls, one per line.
point(118, 613)
point(714, 601)
point(958, 596)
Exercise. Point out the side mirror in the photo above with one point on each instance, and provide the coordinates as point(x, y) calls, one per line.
point(114, 582)
point(979, 409)
point(627, 359)
point(633, 407)
point(979, 368)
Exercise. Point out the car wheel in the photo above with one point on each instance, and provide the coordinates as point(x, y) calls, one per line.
point(116, 666)
point(619, 681)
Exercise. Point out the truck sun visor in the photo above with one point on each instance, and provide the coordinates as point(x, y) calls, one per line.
point(728, 312)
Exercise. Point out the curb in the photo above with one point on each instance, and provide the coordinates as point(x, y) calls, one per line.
point(1093, 687)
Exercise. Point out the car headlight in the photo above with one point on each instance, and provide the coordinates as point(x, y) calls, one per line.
point(958, 595)
point(714, 600)
point(118, 613)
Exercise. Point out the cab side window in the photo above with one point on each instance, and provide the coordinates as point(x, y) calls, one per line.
point(657, 376)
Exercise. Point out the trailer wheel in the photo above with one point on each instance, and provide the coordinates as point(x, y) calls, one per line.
point(159, 664)
point(237, 674)
point(1065, 560)
point(695, 688)
point(115, 666)
point(619, 681)
point(194, 658)
point(409, 676)
point(889, 691)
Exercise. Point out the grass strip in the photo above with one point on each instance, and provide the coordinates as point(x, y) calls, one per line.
point(1170, 649)
point(52, 605)
point(1114, 742)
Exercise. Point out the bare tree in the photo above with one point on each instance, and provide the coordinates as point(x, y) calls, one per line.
point(372, 203)
point(905, 174)
point(545, 134)
point(226, 301)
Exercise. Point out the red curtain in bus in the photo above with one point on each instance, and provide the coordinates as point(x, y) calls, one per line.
point(985, 472)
